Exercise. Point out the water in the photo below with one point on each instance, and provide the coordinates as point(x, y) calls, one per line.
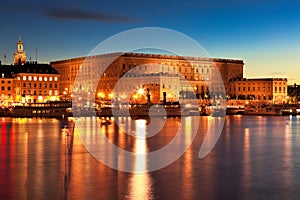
point(254, 158)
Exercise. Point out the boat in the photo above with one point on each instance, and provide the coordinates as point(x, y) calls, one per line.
point(158, 110)
point(262, 109)
point(235, 110)
point(215, 110)
point(45, 109)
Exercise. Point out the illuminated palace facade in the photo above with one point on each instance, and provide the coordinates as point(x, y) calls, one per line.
point(273, 90)
point(166, 71)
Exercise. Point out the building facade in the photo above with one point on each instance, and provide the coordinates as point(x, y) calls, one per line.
point(34, 82)
point(261, 89)
point(28, 82)
point(294, 93)
point(199, 72)
point(6, 86)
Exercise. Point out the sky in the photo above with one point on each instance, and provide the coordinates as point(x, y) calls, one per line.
point(265, 34)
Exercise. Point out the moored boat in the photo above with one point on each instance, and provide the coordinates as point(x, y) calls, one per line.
point(262, 109)
point(48, 109)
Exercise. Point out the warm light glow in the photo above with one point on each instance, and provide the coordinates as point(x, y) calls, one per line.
point(140, 184)
point(100, 95)
point(40, 98)
point(141, 91)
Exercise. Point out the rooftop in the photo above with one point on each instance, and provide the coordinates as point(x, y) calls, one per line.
point(144, 55)
point(29, 67)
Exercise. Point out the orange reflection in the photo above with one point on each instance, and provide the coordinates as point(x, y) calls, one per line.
point(140, 185)
point(187, 183)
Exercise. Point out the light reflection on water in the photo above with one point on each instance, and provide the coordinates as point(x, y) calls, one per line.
point(255, 157)
point(140, 184)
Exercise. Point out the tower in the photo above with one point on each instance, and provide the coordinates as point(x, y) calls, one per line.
point(20, 54)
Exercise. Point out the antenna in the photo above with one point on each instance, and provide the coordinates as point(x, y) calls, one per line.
point(36, 50)
point(4, 56)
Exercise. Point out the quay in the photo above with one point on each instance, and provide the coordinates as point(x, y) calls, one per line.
point(61, 109)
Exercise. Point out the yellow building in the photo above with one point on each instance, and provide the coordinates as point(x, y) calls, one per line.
point(261, 89)
point(28, 82)
point(198, 71)
point(34, 82)
point(6, 86)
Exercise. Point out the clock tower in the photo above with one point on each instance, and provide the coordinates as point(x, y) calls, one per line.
point(20, 54)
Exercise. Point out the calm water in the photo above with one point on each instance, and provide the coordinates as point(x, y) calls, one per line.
point(254, 158)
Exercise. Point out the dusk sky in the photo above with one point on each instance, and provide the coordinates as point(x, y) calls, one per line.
point(265, 34)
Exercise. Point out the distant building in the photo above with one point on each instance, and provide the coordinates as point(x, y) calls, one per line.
point(294, 93)
point(20, 54)
point(261, 89)
point(35, 83)
point(6, 86)
point(198, 71)
point(28, 82)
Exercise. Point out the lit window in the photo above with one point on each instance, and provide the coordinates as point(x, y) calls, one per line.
point(35, 78)
point(24, 78)
point(18, 78)
point(45, 79)
point(55, 78)
point(40, 78)
point(29, 78)
point(50, 78)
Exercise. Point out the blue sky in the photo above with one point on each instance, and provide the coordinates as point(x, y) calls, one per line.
point(265, 34)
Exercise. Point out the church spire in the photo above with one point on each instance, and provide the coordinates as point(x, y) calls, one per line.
point(20, 54)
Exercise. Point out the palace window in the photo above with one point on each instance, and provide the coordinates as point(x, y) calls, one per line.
point(45, 79)
point(35, 78)
point(40, 78)
point(50, 78)
point(24, 78)
point(29, 78)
